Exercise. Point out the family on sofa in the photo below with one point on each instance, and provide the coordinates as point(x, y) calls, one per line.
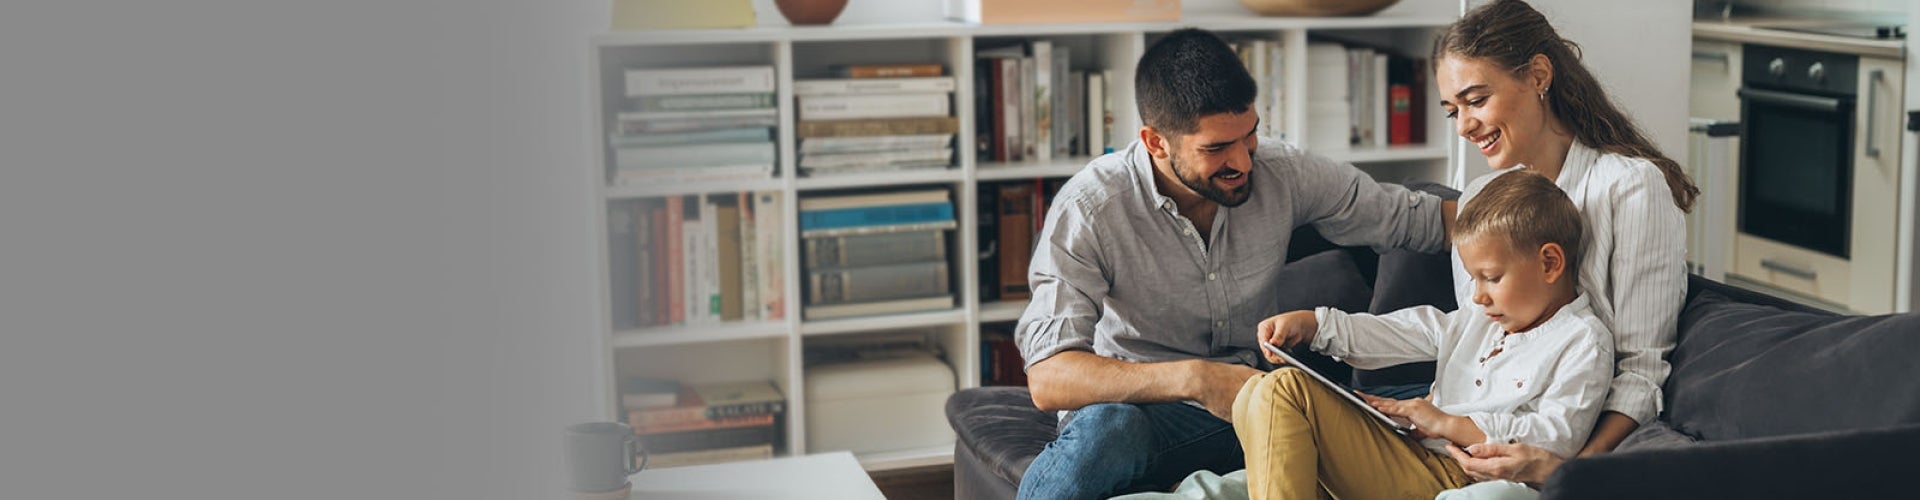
point(1157, 278)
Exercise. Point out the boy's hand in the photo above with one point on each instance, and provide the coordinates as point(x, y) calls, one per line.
point(1425, 416)
point(1286, 330)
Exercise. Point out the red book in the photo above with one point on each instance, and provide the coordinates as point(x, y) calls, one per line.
point(1399, 114)
point(889, 70)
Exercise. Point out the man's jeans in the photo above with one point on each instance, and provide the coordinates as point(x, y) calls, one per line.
point(1113, 448)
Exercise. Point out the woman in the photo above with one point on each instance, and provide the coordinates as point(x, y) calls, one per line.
point(1519, 92)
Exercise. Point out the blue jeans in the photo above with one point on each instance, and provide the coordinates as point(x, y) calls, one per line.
point(1114, 448)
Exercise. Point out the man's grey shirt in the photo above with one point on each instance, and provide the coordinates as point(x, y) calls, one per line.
point(1120, 273)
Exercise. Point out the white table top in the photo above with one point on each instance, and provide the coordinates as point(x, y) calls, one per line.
point(834, 476)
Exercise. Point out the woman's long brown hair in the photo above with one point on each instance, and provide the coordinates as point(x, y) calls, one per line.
point(1508, 33)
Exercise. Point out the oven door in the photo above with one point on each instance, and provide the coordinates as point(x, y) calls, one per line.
point(1796, 169)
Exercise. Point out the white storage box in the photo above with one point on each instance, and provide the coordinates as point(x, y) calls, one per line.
point(878, 405)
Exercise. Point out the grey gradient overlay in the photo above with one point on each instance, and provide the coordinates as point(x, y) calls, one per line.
point(293, 249)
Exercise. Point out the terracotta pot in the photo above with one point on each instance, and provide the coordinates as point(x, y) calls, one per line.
point(804, 12)
point(1316, 8)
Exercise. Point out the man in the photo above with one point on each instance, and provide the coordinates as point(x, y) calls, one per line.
point(1157, 262)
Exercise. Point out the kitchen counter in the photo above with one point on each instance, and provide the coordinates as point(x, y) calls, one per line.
point(1755, 30)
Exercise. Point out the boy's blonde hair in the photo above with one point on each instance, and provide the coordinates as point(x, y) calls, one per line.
point(1526, 210)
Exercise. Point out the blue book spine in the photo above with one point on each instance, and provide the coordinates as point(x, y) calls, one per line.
point(876, 216)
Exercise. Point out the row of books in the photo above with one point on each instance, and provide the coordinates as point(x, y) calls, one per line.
point(904, 112)
point(1000, 360)
point(695, 124)
point(694, 424)
point(1361, 97)
point(1266, 60)
point(682, 260)
point(1011, 215)
point(877, 252)
point(1030, 104)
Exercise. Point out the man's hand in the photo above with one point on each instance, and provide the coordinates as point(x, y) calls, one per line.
point(1513, 462)
point(1216, 384)
point(1286, 330)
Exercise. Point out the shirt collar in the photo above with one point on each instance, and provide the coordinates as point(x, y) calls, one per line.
point(1143, 174)
point(1567, 313)
point(1573, 171)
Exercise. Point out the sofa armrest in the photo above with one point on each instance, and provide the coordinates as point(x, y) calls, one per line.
point(1849, 464)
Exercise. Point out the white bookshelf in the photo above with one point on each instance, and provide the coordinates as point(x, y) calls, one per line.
point(773, 349)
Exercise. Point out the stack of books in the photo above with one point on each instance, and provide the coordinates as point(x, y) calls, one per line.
point(1363, 98)
point(690, 260)
point(876, 253)
point(700, 424)
point(1031, 105)
point(1011, 216)
point(695, 125)
point(876, 119)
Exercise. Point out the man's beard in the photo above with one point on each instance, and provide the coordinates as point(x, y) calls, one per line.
point(1208, 190)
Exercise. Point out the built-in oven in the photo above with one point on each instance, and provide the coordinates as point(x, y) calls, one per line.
point(1796, 160)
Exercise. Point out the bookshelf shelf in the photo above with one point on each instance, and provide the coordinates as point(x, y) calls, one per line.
point(1418, 152)
point(689, 188)
point(999, 311)
point(905, 459)
point(884, 322)
point(681, 335)
point(774, 349)
point(881, 179)
point(1030, 170)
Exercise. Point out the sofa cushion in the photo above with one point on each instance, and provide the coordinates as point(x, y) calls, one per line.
point(1002, 427)
point(1745, 371)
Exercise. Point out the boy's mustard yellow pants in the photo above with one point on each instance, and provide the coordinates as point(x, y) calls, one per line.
point(1300, 437)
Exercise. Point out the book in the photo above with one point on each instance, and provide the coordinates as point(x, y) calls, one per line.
point(830, 145)
point(1097, 113)
point(749, 257)
point(676, 259)
point(768, 206)
point(887, 228)
point(621, 256)
point(835, 311)
point(877, 126)
point(876, 282)
point(727, 260)
point(1016, 239)
point(641, 393)
point(728, 399)
point(725, 437)
point(987, 214)
point(687, 409)
point(709, 456)
point(888, 70)
point(648, 177)
point(940, 157)
point(879, 199)
point(695, 155)
point(678, 125)
point(723, 135)
point(1040, 144)
point(876, 216)
point(704, 102)
point(827, 252)
point(703, 424)
point(695, 81)
point(852, 86)
point(849, 107)
point(696, 114)
point(1400, 114)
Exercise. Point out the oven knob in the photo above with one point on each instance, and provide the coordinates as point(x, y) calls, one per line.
point(1777, 68)
point(1817, 72)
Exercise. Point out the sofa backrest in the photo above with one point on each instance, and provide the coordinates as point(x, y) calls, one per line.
point(1748, 365)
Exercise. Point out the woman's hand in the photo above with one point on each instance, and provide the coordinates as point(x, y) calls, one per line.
point(1286, 330)
point(1521, 463)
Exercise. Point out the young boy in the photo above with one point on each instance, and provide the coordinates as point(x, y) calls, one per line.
point(1526, 362)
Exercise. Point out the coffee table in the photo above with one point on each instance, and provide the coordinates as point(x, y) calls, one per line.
point(836, 476)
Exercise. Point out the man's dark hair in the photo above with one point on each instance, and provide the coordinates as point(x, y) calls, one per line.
point(1188, 74)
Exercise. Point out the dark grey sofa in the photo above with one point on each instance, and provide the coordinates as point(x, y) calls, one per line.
point(1767, 399)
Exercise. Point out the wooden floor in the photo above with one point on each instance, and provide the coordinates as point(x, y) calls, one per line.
point(933, 482)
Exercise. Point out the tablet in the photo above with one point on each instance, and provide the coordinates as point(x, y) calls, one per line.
point(1398, 425)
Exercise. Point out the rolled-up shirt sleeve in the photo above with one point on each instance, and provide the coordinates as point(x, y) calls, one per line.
point(1350, 208)
point(1565, 413)
point(1068, 281)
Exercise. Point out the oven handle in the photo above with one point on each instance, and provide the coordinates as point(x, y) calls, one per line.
point(1788, 269)
point(1873, 104)
point(1816, 103)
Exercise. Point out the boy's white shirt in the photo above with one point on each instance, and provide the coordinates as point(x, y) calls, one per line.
point(1546, 387)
